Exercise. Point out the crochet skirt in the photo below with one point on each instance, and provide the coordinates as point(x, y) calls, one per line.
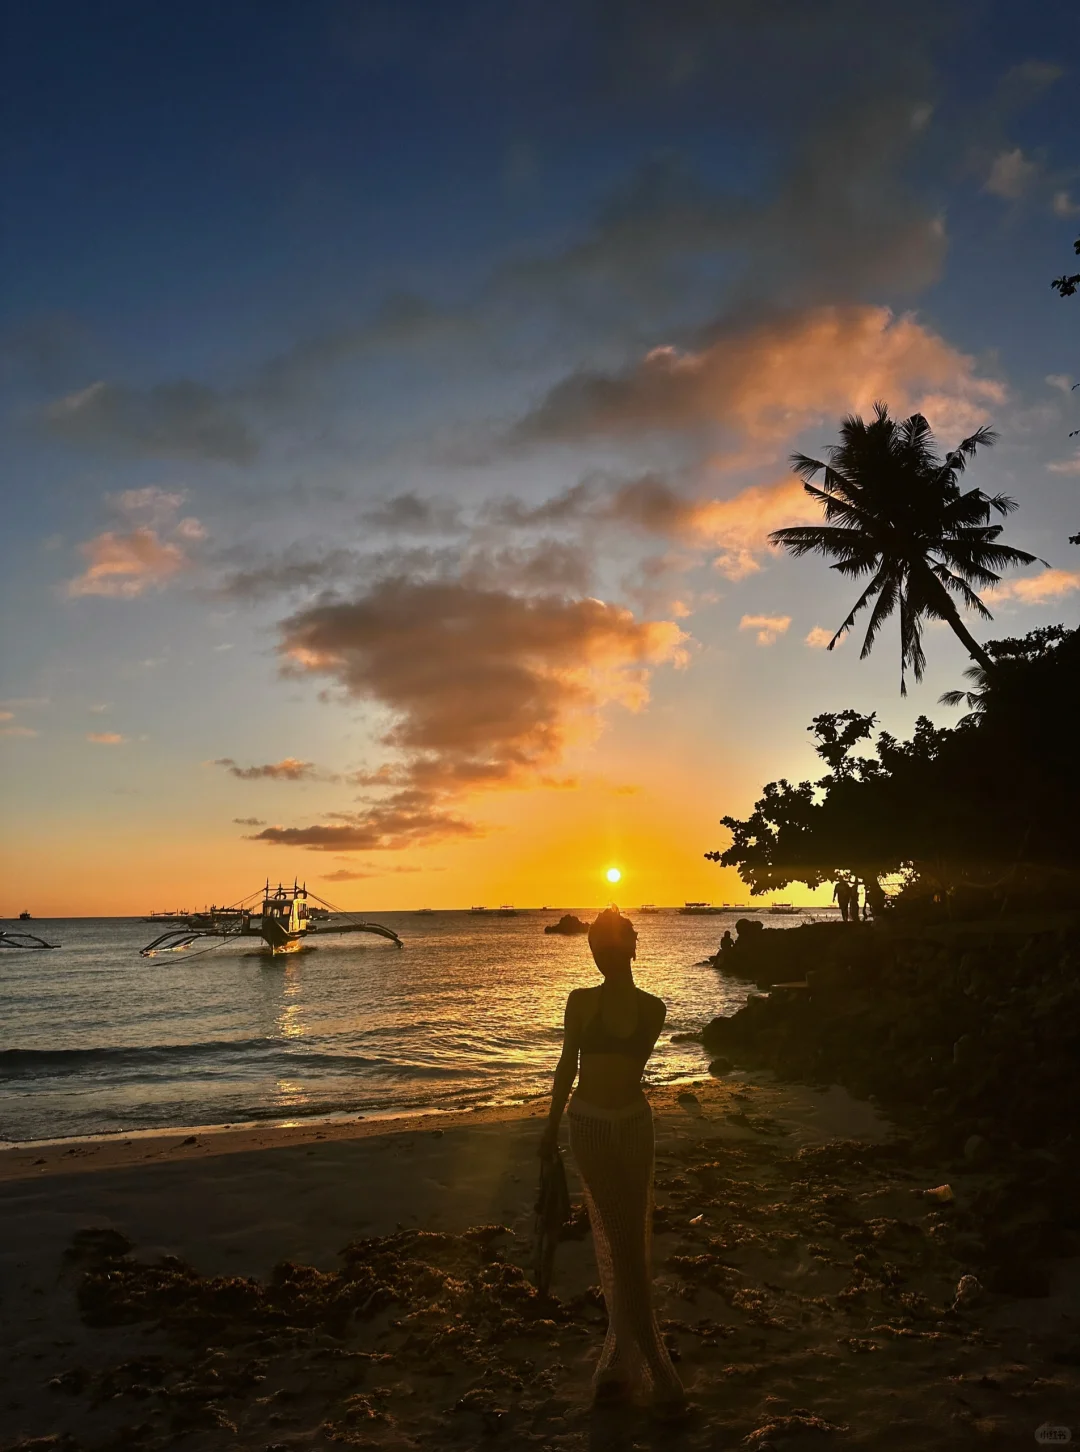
point(613, 1149)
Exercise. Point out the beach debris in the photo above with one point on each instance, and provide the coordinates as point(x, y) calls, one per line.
point(786, 1426)
point(690, 1102)
point(720, 1066)
point(969, 1292)
point(942, 1193)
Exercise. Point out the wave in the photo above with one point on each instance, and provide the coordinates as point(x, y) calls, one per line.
point(23, 1063)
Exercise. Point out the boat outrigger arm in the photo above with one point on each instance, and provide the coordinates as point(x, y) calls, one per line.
point(24, 940)
point(282, 922)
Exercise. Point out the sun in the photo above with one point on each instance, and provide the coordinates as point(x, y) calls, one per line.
point(613, 874)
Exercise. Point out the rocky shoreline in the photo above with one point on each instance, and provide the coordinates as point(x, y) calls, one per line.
point(968, 1035)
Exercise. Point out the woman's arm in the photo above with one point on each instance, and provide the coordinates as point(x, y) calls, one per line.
point(565, 1074)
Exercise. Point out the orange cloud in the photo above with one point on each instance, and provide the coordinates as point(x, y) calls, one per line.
point(768, 627)
point(125, 565)
point(769, 381)
point(106, 738)
point(819, 638)
point(485, 689)
point(1038, 589)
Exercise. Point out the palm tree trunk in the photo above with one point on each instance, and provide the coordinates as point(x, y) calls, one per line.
point(952, 615)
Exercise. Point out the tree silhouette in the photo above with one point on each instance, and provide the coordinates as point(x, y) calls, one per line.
point(1010, 656)
point(1067, 285)
point(894, 510)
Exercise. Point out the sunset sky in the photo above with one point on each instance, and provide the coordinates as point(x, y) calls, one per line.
point(397, 398)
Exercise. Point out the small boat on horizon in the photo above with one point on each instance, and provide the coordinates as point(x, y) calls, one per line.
point(178, 915)
point(699, 909)
point(648, 907)
point(786, 908)
point(424, 912)
point(479, 909)
point(25, 916)
point(507, 910)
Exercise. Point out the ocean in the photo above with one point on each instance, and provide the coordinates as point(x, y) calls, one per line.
point(97, 1040)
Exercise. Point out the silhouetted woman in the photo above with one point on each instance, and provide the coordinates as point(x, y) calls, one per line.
point(611, 1031)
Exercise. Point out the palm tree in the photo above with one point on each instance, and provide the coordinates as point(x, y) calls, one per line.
point(894, 510)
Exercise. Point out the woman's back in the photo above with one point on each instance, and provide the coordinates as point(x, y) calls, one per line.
point(617, 1027)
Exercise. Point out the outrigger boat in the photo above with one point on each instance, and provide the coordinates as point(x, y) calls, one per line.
point(283, 922)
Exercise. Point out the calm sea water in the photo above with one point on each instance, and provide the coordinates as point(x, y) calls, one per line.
point(95, 1039)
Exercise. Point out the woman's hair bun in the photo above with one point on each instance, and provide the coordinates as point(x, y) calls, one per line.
point(611, 930)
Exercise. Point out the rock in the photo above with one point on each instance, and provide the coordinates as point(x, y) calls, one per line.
point(977, 1150)
point(568, 925)
point(720, 1066)
point(969, 1293)
point(690, 1102)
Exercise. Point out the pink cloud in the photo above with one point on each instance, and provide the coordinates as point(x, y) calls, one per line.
point(818, 638)
point(106, 738)
point(769, 381)
point(1038, 589)
point(768, 627)
point(122, 565)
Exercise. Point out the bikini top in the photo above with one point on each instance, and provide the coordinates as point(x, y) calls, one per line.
point(597, 1039)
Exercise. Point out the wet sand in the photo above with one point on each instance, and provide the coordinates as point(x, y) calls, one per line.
point(803, 1279)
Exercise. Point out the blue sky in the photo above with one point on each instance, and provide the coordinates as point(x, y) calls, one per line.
point(357, 308)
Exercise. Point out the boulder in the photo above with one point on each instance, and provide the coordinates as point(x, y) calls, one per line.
point(568, 925)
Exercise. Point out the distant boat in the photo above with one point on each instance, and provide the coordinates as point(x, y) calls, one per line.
point(24, 916)
point(783, 907)
point(647, 907)
point(319, 915)
point(507, 910)
point(479, 909)
point(698, 909)
point(424, 912)
point(180, 915)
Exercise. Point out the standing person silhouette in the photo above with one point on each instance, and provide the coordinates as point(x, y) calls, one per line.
point(609, 1033)
point(842, 894)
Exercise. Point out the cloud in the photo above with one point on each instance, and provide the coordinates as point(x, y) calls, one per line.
point(370, 869)
point(123, 565)
point(1063, 205)
point(1011, 174)
point(1038, 589)
point(409, 514)
point(288, 769)
point(738, 527)
point(107, 738)
point(405, 820)
point(484, 689)
point(181, 419)
point(25, 731)
point(1066, 466)
point(768, 627)
point(249, 821)
point(767, 381)
point(819, 637)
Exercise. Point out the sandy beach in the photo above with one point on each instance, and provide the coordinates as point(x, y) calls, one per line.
point(805, 1282)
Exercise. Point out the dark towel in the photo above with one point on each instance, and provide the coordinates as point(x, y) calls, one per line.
point(552, 1213)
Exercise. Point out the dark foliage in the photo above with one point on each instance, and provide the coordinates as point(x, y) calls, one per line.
point(894, 510)
point(1067, 285)
point(988, 808)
